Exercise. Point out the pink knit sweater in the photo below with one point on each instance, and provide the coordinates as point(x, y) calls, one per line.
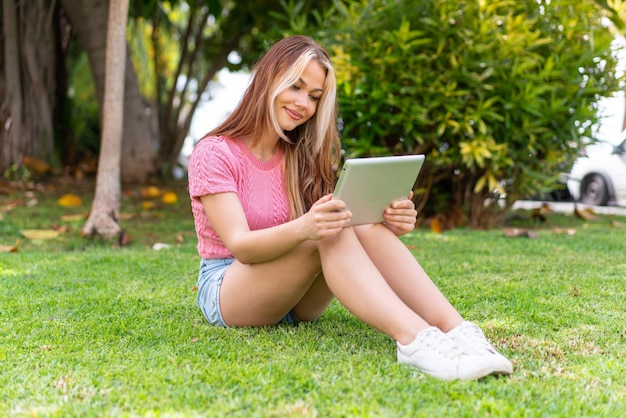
point(221, 165)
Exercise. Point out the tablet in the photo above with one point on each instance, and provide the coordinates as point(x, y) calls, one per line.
point(369, 185)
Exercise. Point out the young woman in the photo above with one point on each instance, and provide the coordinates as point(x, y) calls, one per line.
point(274, 243)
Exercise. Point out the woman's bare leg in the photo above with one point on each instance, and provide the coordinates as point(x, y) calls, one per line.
point(359, 286)
point(375, 276)
point(315, 301)
point(406, 277)
point(262, 294)
point(394, 304)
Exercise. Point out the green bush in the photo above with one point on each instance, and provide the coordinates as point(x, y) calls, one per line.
point(500, 95)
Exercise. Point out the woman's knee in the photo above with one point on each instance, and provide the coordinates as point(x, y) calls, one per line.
point(370, 229)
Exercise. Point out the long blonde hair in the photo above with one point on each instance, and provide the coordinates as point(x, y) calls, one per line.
point(311, 151)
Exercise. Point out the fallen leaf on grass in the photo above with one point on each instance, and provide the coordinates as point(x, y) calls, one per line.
point(9, 206)
point(587, 214)
point(616, 224)
point(150, 192)
point(520, 233)
point(515, 232)
point(62, 229)
point(160, 246)
point(127, 216)
point(40, 234)
point(435, 226)
point(148, 205)
point(10, 248)
point(7, 188)
point(75, 217)
point(36, 165)
point(568, 231)
point(169, 198)
point(541, 212)
point(70, 200)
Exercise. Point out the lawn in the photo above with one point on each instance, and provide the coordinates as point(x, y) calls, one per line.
point(91, 328)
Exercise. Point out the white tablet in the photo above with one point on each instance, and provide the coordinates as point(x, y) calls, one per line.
point(369, 185)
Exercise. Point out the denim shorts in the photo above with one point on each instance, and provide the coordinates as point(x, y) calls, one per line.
point(210, 280)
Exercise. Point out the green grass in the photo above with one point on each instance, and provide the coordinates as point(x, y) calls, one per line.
point(93, 329)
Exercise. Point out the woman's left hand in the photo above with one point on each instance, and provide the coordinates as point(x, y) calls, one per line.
point(401, 216)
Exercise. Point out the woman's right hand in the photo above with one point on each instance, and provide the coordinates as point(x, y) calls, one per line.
point(327, 217)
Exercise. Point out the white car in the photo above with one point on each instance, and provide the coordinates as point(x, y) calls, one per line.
point(599, 178)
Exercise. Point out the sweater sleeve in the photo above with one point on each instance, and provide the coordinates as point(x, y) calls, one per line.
point(211, 169)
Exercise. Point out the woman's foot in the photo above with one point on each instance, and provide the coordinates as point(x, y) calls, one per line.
point(472, 338)
point(438, 355)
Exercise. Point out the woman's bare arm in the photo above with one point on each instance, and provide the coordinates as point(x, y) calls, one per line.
point(326, 218)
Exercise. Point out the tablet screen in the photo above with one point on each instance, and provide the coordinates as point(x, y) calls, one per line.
point(369, 185)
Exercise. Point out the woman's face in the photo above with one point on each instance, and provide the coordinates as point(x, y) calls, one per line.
point(298, 103)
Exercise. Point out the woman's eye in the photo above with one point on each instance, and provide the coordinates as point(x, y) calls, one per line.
point(295, 87)
point(315, 98)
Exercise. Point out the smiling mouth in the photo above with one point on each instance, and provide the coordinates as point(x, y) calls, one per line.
point(293, 115)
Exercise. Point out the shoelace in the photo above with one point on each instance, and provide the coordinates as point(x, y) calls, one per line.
point(474, 335)
point(441, 343)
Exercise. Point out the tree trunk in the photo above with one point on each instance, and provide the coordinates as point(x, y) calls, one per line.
point(13, 87)
point(106, 205)
point(202, 57)
point(138, 163)
point(28, 81)
point(13, 133)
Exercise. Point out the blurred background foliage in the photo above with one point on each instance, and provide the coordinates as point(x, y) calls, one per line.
point(500, 95)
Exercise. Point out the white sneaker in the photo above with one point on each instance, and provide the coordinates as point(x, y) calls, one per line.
point(470, 336)
point(438, 355)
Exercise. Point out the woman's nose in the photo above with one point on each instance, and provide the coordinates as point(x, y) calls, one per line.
point(302, 99)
